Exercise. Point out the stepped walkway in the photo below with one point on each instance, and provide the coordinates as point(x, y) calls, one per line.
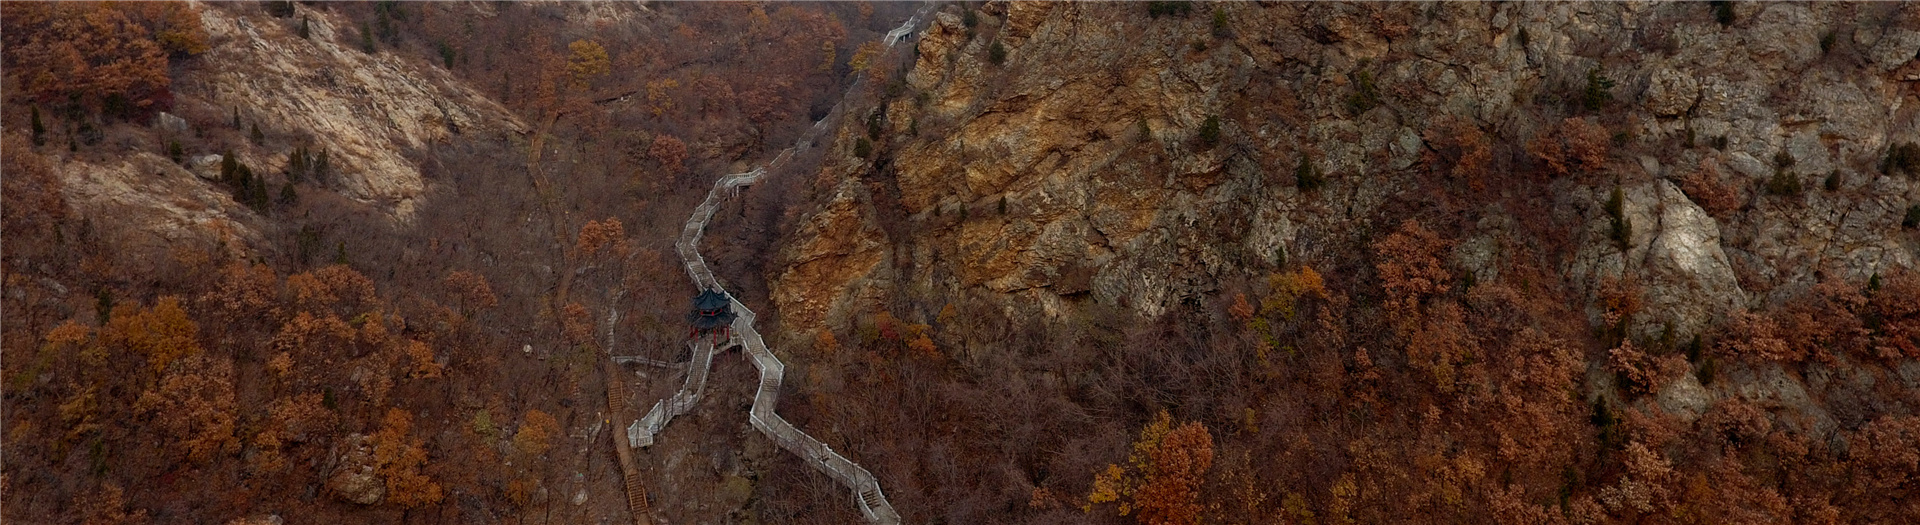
point(629, 473)
point(866, 489)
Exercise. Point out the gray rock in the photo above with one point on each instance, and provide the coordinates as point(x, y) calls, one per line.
point(1687, 277)
point(1784, 35)
point(205, 166)
point(58, 289)
point(1745, 164)
point(1406, 148)
point(1894, 48)
point(1910, 374)
point(1771, 387)
point(1671, 93)
point(169, 123)
point(354, 480)
point(1684, 398)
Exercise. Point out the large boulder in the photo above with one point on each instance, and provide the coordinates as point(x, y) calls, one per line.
point(354, 479)
point(1670, 93)
point(1688, 278)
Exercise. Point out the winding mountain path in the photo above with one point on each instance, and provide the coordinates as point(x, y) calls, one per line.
point(866, 489)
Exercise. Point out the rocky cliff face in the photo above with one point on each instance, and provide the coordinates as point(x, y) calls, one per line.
point(369, 112)
point(1077, 169)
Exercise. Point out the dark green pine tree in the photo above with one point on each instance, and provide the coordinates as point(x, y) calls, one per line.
point(229, 167)
point(39, 129)
point(297, 165)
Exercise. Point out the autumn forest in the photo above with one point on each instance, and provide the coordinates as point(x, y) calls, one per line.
point(343, 262)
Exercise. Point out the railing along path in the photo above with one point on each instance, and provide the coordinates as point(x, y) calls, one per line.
point(866, 489)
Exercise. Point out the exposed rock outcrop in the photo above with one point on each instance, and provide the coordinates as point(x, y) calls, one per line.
point(1088, 137)
point(354, 477)
point(369, 110)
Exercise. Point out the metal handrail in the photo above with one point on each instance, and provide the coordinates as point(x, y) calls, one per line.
point(868, 497)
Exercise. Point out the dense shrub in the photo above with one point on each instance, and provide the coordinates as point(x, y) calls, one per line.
point(1156, 9)
point(279, 8)
point(1574, 146)
point(1756, 337)
point(1707, 189)
point(39, 128)
point(1307, 176)
point(101, 56)
point(1783, 184)
point(1210, 131)
point(1620, 227)
point(1902, 158)
point(1365, 96)
point(1598, 91)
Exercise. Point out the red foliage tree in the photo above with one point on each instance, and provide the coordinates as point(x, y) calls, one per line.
point(1756, 337)
point(1164, 474)
point(1409, 262)
point(1171, 492)
point(669, 151)
point(1709, 189)
point(1643, 373)
point(1576, 145)
point(1896, 307)
point(1463, 149)
point(32, 189)
point(471, 291)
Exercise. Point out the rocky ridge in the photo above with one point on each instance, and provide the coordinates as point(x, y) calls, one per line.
point(1091, 145)
point(366, 110)
point(1077, 173)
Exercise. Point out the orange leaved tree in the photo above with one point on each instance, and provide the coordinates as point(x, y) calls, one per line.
point(106, 55)
point(1162, 479)
point(401, 458)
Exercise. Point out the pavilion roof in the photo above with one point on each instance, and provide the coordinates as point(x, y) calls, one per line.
point(711, 300)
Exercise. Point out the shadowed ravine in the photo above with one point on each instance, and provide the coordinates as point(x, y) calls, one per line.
point(867, 494)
